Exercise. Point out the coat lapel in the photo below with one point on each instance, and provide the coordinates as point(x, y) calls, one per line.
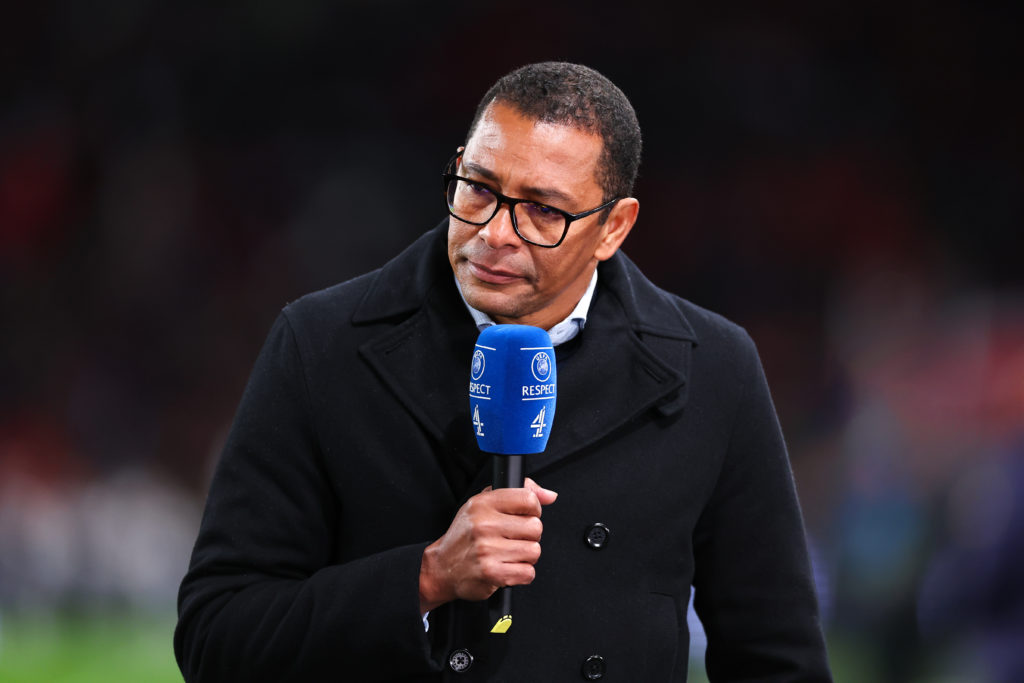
point(423, 350)
point(425, 361)
point(627, 361)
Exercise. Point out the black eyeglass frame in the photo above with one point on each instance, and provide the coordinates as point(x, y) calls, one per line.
point(447, 176)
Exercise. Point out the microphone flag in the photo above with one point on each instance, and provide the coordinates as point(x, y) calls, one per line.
point(512, 389)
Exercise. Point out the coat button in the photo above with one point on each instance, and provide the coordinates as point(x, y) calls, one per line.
point(593, 667)
point(460, 660)
point(597, 535)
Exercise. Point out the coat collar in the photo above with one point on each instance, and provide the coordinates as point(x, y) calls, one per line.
point(404, 283)
point(633, 357)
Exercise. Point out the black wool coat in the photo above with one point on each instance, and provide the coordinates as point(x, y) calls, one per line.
point(353, 448)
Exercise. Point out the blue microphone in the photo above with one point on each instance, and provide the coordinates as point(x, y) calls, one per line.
point(512, 396)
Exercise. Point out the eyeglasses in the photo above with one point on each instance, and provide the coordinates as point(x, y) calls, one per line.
point(476, 203)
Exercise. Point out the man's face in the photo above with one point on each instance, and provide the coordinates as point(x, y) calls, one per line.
point(498, 273)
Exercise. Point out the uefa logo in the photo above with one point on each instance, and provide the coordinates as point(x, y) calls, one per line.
point(478, 364)
point(541, 367)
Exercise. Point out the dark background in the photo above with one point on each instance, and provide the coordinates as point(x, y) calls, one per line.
point(843, 179)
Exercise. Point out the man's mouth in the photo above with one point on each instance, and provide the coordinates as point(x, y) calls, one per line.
point(494, 276)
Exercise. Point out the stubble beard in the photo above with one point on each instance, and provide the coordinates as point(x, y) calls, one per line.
point(490, 299)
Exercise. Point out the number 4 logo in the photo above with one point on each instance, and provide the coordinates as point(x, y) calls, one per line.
point(477, 422)
point(539, 424)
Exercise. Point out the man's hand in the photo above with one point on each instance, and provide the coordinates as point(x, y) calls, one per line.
point(493, 541)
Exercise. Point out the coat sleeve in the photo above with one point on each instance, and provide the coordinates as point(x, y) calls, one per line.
point(753, 588)
point(261, 600)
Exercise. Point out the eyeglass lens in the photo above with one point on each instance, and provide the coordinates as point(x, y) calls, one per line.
point(476, 203)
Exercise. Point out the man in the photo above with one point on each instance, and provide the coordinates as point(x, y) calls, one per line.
point(348, 533)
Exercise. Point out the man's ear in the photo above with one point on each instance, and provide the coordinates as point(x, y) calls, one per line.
point(616, 227)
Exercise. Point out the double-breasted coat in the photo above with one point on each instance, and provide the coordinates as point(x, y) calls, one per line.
point(353, 448)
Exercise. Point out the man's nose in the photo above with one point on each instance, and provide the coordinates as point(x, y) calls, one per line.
point(499, 231)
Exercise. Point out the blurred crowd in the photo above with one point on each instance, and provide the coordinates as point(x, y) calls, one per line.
point(844, 181)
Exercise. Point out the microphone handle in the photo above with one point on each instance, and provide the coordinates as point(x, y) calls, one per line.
point(507, 474)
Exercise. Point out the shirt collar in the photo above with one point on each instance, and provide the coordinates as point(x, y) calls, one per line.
point(560, 333)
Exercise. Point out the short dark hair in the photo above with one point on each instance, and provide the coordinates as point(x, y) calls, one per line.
point(579, 97)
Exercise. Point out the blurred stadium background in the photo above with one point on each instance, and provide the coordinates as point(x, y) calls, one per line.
point(843, 179)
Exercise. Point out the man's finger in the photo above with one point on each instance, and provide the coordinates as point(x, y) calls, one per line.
point(545, 496)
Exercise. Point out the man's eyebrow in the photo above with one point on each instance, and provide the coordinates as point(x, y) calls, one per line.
point(487, 173)
point(544, 194)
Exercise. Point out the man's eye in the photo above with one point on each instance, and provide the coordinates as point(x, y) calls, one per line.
point(479, 189)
